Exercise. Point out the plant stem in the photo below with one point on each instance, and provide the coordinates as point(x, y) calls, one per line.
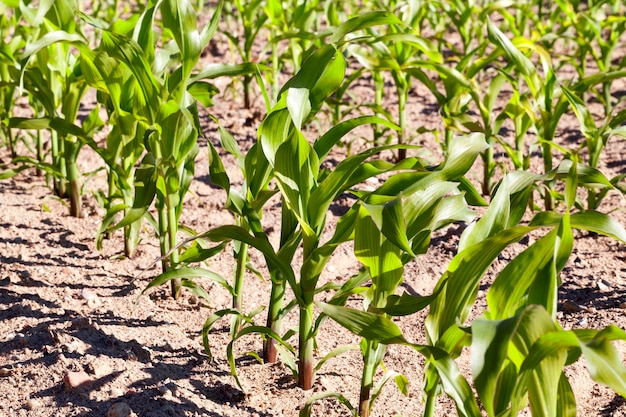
point(487, 170)
point(379, 92)
point(367, 379)
point(58, 162)
point(275, 68)
point(40, 153)
point(172, 230)
point(431, 402)
point(242, 259)
point(11, 143)
point(163, 243)
point(305, 363)
point(73, 177)
point(402, 100)
point(131, 232)
point(547, 166)
point(277, 296)
point(246, 91)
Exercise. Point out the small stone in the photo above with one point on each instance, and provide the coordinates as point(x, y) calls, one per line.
point(32, 404)
point(120, 410)
point(74, 346)
point(603, 285)
point(25, 274)
point(173, 387)
point(193, 300)
point(75, 379)
point(116, 392)
point(5, 372)
point(141, 353)
point(93, 302)
point(98, 368)
point(622, 305)
point(87, 294)
point(164, 390)
point(21, 339)
point(572, 307)
point(80, 323)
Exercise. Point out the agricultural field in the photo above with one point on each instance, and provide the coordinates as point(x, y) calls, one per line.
point(299, 208)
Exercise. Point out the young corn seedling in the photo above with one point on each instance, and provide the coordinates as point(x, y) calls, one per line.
point(295, 23)
point(465, 104)
point(124, 145)
point(396, 52)
point(252, 22)
point(548, 105)
point(532, 278)
point(521, 317)
point(169, 106)
point(49, 72)
point(283, 153)
point(598, 31)
point(8, 76)
point(518, 362)
point(394, 225)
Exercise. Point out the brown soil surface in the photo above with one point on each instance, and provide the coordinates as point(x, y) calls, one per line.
point(66, 307)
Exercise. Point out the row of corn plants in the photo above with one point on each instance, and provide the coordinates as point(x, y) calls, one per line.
point(506, 80)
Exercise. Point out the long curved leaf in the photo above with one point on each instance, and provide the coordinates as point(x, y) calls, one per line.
point(368, 325)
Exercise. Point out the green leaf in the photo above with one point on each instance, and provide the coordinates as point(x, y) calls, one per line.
point(363, 21)
point(524, 65)
point(322, 73)
point(461, 281)
point(179, 17)
point(329, 139)
point(334, 353)
point(298, 105)
point(203, 92)
point(587, 176)
point(379, 255)
point(590, 220)
point(368, 325)
point(188, 273)
point(587, 124)
point(145, 190)
point(210, 29)
point(454, 384)
point(261, 243)
point(462, 153)
point(493, 221)
point(130, 53)
point(508, 293)
point(217, 172)
point(46, 40)
point(211, 71)
point(306, 409)
point(490, 345)
point(604, 363)
point(407, 304)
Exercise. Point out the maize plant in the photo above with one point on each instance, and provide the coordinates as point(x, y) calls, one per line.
point(505, 79)
point(49, 72)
